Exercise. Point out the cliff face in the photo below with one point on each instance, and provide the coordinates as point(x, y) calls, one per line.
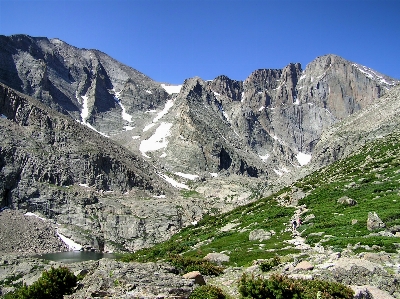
point(267, 125)
point(88, 85)
point(98, 191)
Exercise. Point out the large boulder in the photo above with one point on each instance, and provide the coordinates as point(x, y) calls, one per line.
point(344, 200)
point(196, 276)
point(304, 265)
point(374, 222)
point(260, 235)
point(217, 258)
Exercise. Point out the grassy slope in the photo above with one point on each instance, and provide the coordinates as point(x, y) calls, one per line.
point(370, 176)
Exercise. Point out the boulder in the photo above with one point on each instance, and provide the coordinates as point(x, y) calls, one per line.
point(196, 275)
point(374, 222)
point(304, 265)
point(260, 235)
point(344, 200)
point(217, 258)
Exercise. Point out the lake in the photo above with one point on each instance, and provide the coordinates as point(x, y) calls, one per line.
point(75, 256)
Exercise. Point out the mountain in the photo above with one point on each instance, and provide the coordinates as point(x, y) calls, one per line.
point(264, 126)
point(89, 85)
point(121, 160)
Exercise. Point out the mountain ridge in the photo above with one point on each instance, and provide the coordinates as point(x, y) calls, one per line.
point(228, 141)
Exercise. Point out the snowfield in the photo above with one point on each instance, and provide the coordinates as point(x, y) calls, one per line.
point(157, 141)
point(170, 89)
point(303, 159)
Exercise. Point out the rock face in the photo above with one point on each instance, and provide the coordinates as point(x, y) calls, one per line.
point(40, 146)
point(86, 84)
point(373, 122)
point(62, 170)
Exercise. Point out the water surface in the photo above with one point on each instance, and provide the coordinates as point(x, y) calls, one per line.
point(75, 256)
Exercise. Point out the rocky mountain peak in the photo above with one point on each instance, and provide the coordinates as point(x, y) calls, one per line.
point(224, 86)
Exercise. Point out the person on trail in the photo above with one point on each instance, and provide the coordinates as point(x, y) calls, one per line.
point(294, 224)
point(299, 222)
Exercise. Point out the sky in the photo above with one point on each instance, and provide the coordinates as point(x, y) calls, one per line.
point(172, 40)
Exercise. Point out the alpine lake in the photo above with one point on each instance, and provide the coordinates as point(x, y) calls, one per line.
point(68, 257)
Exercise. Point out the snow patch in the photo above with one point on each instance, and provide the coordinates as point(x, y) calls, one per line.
point(128, 128)
point(296, 102)
point(173, 182)
point(168, 105)
point(135, 137)
point(125, 116)
point(261, 108)
point(187, 176)
point(94, 129)
point(85, 109)
point(225, 115)
point(302, 77)
point(85, 113)
point(243, 97)
point(264, 158)
point(163, 155)
point(159, 196)
point(281, 171)
point(372, 74)
point(156, 141)
point(84, 185)
point(151, 111)
point(3, 116)
point(284, 169)
point(148, 127)
point(214, 174)
point(149, 92)
point(303, 159)
point(216, 93)
point(34, 215)
point(70, 243)
point(170, 89)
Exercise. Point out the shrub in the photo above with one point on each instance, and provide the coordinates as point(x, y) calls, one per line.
point(207, 292)
point(279, 287)
point(268, 265)
point(185, 264)
point(53, 284)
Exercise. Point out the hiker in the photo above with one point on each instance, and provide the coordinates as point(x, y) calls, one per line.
point(299, 222)
point(294, 224)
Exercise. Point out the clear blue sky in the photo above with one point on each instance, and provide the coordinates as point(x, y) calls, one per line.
point(171, 40)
